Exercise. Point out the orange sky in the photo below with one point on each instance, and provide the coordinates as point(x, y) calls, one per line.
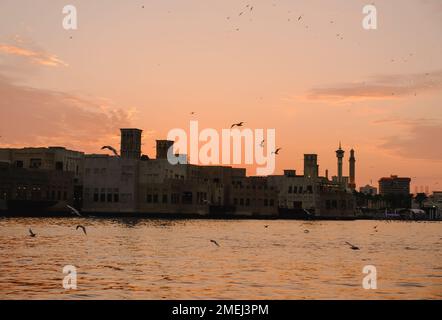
point(377, 91)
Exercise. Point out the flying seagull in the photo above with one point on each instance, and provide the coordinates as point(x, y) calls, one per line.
point(192, 113)
point(300, 17)
point(73, 210)
point(82, 227)
point(262, 143)
point(31, 234)
point(277, 151)
point(240, 124)
point(111, 149)
point(352, 247)
point(306, 231)
point(266, 226)
point(214, 242)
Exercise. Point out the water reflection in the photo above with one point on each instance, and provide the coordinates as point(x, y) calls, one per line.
point(174, 259)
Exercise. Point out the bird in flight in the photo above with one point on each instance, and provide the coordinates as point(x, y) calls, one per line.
point(262, 144)
point(266, 226)
point(240, 124)
point(300, 17)
point(111, 149)
point(192, 113)
point(277, 151)
point(214, 242)
point(73, 210)
point(82, 227)
point(31, 234)
point(306, 231)
point(352, 247)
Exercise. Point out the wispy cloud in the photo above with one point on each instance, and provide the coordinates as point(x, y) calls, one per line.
point(379, 87)
point(32, 117)
point(33, 55)
point(418, 138)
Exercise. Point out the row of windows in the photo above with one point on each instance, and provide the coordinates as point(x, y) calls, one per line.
point(246, 202)
point(186, 198)
point(35, 194)
point(300, 189)
point(240, 186)
point(343, 204)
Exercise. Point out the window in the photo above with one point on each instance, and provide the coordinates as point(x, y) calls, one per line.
point(19, 164)
point(155, 198)
point(247, 202)
point(235, 201)
point(295, 189)
point(35, 163)
point(109, 197)
point(96, 196)
point(187, 197)
point(103, 195)
point(149, 198)
point(164, 198)
point(290, 189)
point(266, 202)
point(300, 189)
point(310, 189)
point(116, 197)
point(272, 202)
point(59, 166)
point(175, 198)
point(241, 202)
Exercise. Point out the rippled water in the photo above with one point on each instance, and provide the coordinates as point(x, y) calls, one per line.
point(174, 259)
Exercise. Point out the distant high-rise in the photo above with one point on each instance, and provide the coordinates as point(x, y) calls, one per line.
point(340, 156)
point(352, 161)
point(131, 143)
point(394, 185)
point(311, 166)
point(163, 147)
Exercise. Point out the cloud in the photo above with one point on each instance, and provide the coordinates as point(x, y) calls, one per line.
point(34, 55)
point(379, 87)
point(420, 142)
point(32, 117)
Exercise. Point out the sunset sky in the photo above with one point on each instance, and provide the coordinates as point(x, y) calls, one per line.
point(317, 81)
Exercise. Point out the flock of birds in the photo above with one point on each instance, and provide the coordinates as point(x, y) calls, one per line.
point(74, 212)
point(350, 245)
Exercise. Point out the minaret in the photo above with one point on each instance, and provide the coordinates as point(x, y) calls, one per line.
point(340, 156)
point(352, 160)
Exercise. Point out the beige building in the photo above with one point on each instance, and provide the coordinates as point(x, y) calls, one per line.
point(310, 194)
point(110, 184)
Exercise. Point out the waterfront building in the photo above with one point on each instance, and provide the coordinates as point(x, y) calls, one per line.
point(25, 190)
point(394, 185)
point(309, 194)
point(368, 190)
